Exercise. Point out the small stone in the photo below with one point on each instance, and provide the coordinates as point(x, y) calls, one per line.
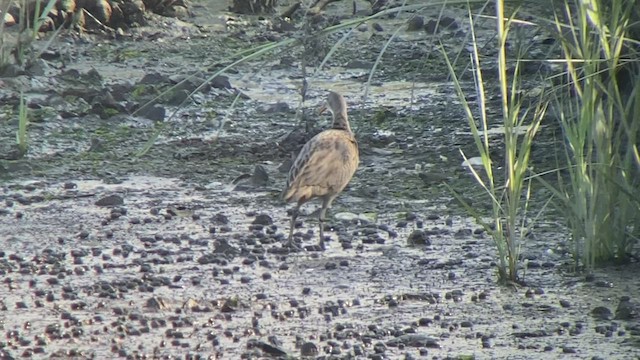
point(11, 70)
point(415, 23)
point(110, 200)
point(178, 97)
point(263, 219)
point(219, 219)
point(418, 237)
point(308, 349)
point(221, 82)
point(154, 79)
point(601, 312)
point(153, 112)
point(70, 185)
point(330, 266)
point(626, 310)
point(279, 107)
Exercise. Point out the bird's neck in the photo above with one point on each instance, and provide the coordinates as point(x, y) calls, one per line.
point(341, 121)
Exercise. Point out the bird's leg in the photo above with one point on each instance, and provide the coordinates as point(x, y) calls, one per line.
point(294, 216)
point(323, 211)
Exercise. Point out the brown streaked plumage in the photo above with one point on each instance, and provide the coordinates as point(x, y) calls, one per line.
point(324, 166)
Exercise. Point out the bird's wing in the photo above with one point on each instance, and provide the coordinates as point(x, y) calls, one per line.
point(327, 163)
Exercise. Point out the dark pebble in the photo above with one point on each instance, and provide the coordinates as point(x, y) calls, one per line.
point(418, 237)
point(262, 219)
point(330, 266)
point(308, 349)
point(220, 82)
point(601, 312)
point(110, 200)
point(565, 304)
point(603, 284)
point(155, 112)
point(70, 185)
point(379, 348)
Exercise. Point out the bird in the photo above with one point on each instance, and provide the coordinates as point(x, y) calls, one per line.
point(324, 166)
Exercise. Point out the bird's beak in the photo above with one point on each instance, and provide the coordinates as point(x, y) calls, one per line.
point(322, 108)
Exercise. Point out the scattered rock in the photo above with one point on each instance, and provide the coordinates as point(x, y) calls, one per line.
point(37, 67)
point(602, 313)
point(415, 23)
point(308, 349)
point(11, 70)
point(279, 107)
point(262, 219)
point(219, 219)
point(268, 349)
point(626, 310)
point(415, 340)
point(220, 82)
point(418, 238)
point(153, 112)
point(154, 78)
point(531, 334)
point(157, 303)
point(110, 200)
point(434, 26)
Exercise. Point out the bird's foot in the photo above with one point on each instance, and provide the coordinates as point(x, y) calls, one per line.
point(292, 246)
point(321, 245)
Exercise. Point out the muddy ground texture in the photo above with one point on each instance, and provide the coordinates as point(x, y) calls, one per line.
point(104, 254)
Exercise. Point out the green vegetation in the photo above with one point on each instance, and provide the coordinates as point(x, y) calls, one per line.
point(599, 109)
point(31, 23)
point(510, 199)
point(20, 48)
point(599, 119)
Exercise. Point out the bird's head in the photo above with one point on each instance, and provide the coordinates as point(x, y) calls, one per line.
point(335, 103)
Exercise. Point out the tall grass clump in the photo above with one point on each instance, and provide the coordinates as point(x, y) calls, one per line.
point(32, 16)
point(599, 112)
point(509, 193)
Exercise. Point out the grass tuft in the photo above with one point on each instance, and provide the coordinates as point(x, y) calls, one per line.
point(510, 193)
point(598, 108)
